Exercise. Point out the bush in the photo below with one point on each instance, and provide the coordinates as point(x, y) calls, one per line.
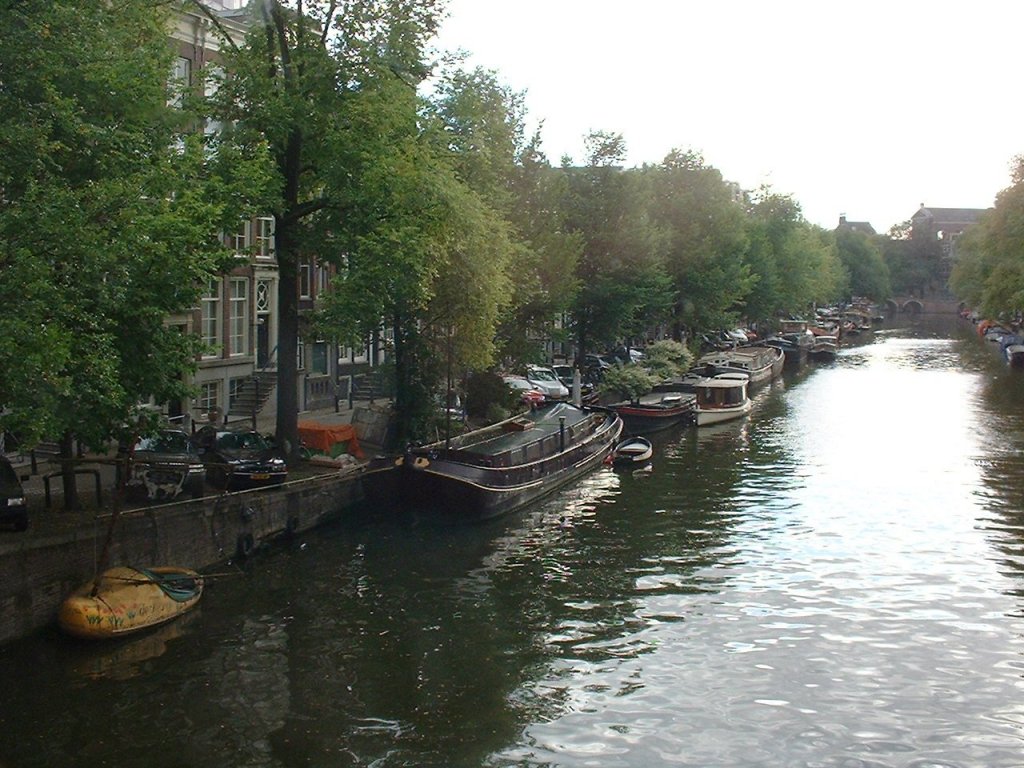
point(627, 381)
point(484, 390)
point(667, 359)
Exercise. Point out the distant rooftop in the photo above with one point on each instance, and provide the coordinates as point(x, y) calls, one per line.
point(948, 215)
point(856, 226)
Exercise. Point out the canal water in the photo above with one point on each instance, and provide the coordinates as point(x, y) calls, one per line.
point(837, 580)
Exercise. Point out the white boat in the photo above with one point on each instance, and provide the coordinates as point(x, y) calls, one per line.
point(761, 364)
point(633, 451)
point(721, 398)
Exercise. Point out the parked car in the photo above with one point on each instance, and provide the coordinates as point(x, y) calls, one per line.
point(166, 465)
point(546, 381)
point(565, 374)
point(13, 508)
point(524, 390)
point(600, 362)
point(239, 459)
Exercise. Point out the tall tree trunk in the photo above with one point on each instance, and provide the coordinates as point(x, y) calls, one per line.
point(67, 468)
point(401, 382)
point(287, 432)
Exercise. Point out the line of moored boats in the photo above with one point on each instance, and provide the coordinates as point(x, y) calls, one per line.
point(496, 469)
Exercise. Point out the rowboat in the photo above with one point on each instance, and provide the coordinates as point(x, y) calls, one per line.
point(125, 600)
point(497, 469)
point(631, 452)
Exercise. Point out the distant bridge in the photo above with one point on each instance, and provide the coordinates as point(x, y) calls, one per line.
point(931, 305)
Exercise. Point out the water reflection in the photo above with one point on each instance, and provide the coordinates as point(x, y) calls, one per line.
point(834, 581)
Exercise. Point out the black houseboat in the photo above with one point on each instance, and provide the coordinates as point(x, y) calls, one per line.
point(494, 470)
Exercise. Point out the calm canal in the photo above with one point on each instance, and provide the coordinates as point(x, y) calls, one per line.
point(836, 581)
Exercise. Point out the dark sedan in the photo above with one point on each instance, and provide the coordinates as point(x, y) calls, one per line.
point(166, 465)
point(240, 459)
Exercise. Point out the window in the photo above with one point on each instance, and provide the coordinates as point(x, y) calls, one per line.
point(263, 296)
point(240, 239)
point(319, 362)
point(209, 396)
point(235, 387)
point(300, 355)
point(213, 76)
point(265, 237)
point(239, 316)
point(181, 79)
point(305, 280)
point(211, 319)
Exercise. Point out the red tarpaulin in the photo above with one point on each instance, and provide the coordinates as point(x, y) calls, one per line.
point(323, 437)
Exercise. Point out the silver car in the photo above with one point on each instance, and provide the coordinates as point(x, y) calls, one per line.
point(546, 381)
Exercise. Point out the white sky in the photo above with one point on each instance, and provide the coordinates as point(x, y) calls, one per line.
point(866, 108)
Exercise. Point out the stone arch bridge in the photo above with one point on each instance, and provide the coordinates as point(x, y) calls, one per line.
point(932, 305)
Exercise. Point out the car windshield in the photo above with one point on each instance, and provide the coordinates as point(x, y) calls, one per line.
point(541, 375)
point(236, 440)
point(166, 442)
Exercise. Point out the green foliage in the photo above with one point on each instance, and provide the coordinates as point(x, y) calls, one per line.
point(703, 227)
point(989, 271)
point(627, 381)
point(109, 225)
point(329, 90)
point(623, 284)
point(794, 261)
point(862, 259)
point(667, 359)
point(483, 390)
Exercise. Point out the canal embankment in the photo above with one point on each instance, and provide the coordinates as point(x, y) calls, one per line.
point(62, 549)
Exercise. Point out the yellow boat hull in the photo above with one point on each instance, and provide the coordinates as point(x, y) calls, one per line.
point(125, 600)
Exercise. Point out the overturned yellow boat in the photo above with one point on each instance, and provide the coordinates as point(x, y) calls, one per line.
point(124, 600)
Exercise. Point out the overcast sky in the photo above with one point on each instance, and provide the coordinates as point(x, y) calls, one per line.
point(866, 108)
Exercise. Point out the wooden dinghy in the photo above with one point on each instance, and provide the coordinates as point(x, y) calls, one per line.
point(125, 600)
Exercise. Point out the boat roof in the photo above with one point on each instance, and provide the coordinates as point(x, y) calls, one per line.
point(732, 379)
point(537, 425)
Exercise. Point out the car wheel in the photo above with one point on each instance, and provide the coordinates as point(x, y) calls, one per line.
point(21, 523)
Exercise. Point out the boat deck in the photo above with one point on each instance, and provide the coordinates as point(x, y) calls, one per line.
point(526, 439)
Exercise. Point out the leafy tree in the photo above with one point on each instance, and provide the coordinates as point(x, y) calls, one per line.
point(862, 258)
point(107, 223)
point(705, 242)
point(914, 261)
point(989, 272)
point(310, 77)
point(623, 284)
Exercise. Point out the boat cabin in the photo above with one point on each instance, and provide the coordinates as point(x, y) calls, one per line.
point(726, 390)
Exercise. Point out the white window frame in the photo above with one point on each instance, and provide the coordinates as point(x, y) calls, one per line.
point(238, 316)
point(240, 238)
point(306, 280)
point(209, 396)
point(211, 319)
point(263, 237)
point(180, 81)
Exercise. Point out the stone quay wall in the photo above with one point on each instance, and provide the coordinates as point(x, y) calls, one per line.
point(37, 574)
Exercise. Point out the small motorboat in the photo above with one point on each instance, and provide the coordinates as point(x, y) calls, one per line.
point(631, 452)
point(125, 600)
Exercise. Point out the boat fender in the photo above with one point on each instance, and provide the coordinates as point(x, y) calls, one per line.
point(245, 545)
point(399, 461)
point(421, 463)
